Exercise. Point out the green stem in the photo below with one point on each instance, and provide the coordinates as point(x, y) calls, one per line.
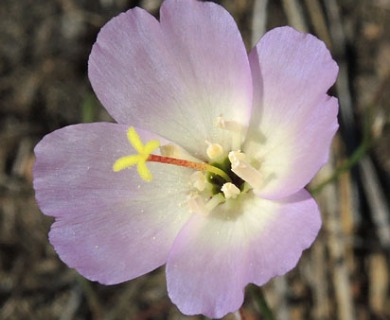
point(346, 166)
point(91, 297)
point(259, 298)
point(355, 157)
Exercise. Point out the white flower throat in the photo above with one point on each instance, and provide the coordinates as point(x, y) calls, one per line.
point(225, 176)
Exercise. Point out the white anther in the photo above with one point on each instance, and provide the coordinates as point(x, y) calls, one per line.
point(221, 123)
point(214, 202)
point(230, 190)
point(198, 205)
point(242, 168)
point(170, 150)
point(173, 151)
point(214, 150)
point(199, 180)
point(236, 129)
point(237, 158)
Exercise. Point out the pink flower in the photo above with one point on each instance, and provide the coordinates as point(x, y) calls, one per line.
point(205, 169)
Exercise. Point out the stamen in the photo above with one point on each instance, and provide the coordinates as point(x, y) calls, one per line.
point(221, 123)
point(214, 202)
point(230, 190)
point(242, 168)
point(174, 151)
point(169, 150)
point(214, 150)
point(199, 180)
point(234, 127)
point(198, 205)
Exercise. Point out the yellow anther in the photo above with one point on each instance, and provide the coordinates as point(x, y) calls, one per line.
point(139, 159)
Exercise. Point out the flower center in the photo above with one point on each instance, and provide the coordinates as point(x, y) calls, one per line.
point(218, 182)
point(223, 178)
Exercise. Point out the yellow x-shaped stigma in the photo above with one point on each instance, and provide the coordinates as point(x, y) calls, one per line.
point(139, 159)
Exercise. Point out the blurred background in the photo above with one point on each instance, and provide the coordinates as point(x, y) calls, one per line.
point(44, 47)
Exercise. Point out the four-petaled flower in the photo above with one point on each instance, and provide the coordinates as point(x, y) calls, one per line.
point(224, 144)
